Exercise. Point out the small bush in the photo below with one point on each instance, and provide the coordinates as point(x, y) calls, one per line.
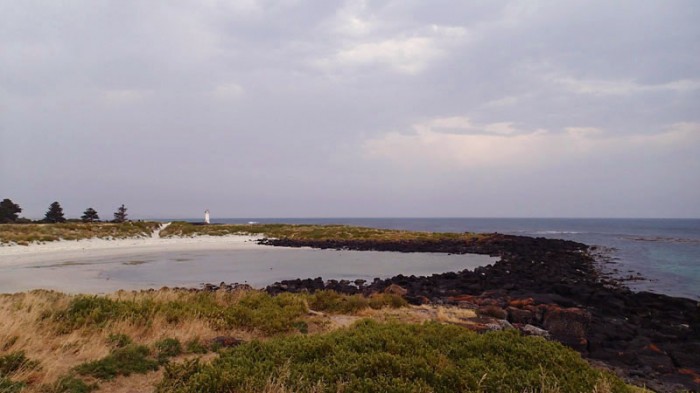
point(264, 313)
point(196, 346)
point(86, 310)
point(381, 300)
point(122, 361)
point(8, 386)
point(118, 340)
point(333, 302)
point(69, 384)
point(13, 362)
point(167, 348)
point(302, 327)
point(178, 375)
point(97, 311)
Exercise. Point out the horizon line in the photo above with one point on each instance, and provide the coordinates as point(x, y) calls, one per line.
point(428, 217)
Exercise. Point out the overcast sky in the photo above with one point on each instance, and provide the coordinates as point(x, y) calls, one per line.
point(351, 108)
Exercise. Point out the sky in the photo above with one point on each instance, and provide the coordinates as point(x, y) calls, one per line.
point(404, 108)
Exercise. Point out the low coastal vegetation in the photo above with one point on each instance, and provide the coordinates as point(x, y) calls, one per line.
point(24, 234)
point(311, 232)
point(393, 357)
point(247, 340)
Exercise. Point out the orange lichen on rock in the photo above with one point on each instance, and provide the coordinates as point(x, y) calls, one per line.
point(691, 373)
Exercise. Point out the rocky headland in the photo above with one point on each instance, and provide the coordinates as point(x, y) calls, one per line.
point(548, 287)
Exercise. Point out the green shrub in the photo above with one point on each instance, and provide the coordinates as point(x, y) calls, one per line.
point(373, 357)
point(167, 348)
point(333, 302)
point(8, 386)
point(122, 361)
point(69, 384)
point(118, 340)
point(195, 346)
point(302, 327)
point(381, 300)
point(13, 362)
point(87, 310)
point(262, 312)
point(177, 376)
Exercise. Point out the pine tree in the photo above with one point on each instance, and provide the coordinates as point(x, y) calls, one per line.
point(8, 211)
point(120, 214)
point(90, 215)
point(55, 213)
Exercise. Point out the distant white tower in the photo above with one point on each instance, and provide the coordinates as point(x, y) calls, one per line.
point(206, 216)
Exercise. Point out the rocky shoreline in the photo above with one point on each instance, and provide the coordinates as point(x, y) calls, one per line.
point(549, 287)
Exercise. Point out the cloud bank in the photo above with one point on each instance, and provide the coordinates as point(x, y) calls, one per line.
point(351, 108)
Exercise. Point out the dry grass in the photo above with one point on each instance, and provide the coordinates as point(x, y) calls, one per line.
point(25, 234)
point(38, 323)
point(24, 326)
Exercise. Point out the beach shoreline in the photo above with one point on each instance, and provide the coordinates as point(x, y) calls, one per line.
point(17, 255)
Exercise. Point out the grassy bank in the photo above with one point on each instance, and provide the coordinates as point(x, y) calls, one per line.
point(311, 232)
point(135, 341)
point(24, 234)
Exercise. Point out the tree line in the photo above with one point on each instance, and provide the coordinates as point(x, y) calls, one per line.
point(9, 213)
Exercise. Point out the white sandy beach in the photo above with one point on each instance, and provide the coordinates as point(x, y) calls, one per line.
point(83, 265)
point(96, 248)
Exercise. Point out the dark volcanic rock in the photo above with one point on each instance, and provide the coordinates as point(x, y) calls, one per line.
point(518, 315)
point(568, 325)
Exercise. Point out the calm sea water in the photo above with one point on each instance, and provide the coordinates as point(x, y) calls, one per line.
point(664, 251)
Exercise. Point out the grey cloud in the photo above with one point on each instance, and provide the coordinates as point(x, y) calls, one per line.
point(263, 108)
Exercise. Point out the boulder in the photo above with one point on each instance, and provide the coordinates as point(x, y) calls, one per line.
point(568, 325)
point(531, 330)
point(517, 315)
point(394, 289)
point(492, 311)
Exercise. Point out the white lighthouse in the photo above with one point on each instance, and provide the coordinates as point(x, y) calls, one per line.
point(206, 216)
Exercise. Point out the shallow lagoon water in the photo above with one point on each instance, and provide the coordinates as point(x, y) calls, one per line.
point(256, 267)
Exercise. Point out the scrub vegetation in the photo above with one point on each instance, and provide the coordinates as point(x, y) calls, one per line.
point(393, 357)
point(24, 234)
point(311, 232)
point(249, 341)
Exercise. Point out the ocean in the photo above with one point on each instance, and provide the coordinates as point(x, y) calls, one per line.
point(665, 252)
